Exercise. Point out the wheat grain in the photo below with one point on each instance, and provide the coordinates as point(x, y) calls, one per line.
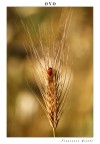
point(50, 76)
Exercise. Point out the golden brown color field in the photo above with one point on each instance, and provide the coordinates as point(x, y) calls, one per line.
point(25, 117)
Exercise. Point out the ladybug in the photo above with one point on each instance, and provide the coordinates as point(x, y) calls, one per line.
point(50, 71)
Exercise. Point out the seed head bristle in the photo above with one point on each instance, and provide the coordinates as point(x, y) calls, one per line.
point(52, 74)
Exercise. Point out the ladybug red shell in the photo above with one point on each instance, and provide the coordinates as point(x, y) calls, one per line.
point(50, 71)
point(51, 75)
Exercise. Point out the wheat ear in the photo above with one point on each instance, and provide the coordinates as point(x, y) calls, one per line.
point(50, 76)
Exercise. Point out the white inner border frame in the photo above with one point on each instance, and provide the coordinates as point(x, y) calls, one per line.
point(3, 71)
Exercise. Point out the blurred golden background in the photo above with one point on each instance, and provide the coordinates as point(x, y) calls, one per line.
point(25, 117)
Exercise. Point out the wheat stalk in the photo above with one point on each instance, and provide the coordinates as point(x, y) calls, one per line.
point(50, 75)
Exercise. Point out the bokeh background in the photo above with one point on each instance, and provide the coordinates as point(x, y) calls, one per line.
point(25, 117)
